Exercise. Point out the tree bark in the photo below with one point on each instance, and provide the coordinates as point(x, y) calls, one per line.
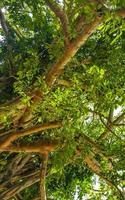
point(15, 135)
point(70, 51)
point(43, 177)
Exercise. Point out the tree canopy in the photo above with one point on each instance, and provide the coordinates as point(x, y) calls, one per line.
point(62, 99)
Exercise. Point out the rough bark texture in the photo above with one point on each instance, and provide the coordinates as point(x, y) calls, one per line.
point(70, 51)
point(43, 177)
point(15, 135)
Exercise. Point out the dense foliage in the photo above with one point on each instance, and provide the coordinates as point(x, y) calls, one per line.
point(62, 99)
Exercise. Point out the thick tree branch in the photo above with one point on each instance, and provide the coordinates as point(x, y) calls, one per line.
point(15, 135)
point(70, 51)
point(95, 146)
point(92, 163)
point(74, 46)
point(43, 177)
point(60, 13)
point(38, 147)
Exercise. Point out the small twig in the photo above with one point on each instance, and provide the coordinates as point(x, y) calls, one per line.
point(121, 124)
point(119, 118)
point(108, 128)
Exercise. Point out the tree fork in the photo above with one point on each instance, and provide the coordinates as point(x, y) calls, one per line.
point(70, 51)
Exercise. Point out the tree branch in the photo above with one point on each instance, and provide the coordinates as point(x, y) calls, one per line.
point(69, 52)
point(74, 46)
point(96, 147)
point(95, 167)
point(13, 136)
point(60, 13)
point(92, 163)
point(43, 177)
point(9, 48)
point(19, 163)
point(3, 23)
point(120, 13)
point(119, 118)
point(109, 128)
point(38, 147)
point(19, 197)
point(16, 188)
point(110, 116)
